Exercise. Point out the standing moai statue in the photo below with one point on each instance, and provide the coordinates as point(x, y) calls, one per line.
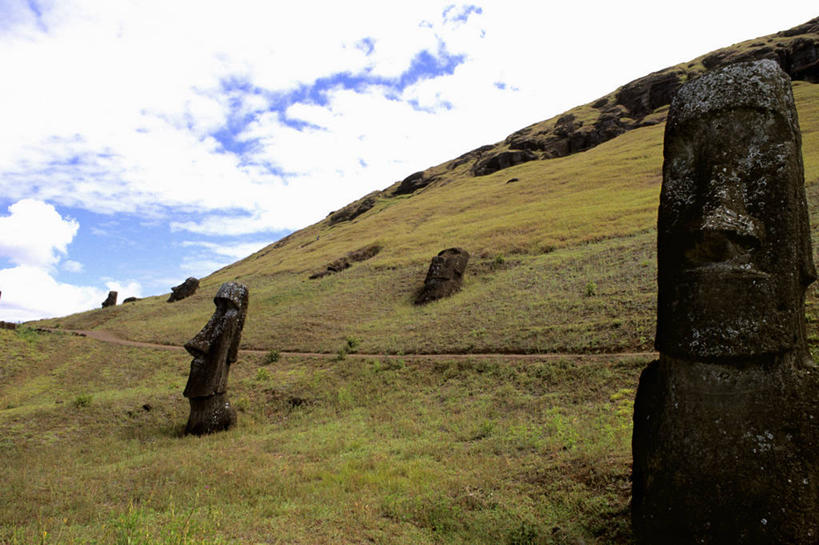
point(444, 276)
point(726, 422)
point(214, 349)
point(111, 300)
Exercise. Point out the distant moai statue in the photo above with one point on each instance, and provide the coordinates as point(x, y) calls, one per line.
point(214, 349)
point(444, 276)
point(183, 290)
point(726, 422)
point(111, 300)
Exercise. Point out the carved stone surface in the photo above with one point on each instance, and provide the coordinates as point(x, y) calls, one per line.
point(733, 248)
point(445, 275)
point(130, 300)
point(214, 349)
point(726, 422)
point(183, 290)
point(111, 300)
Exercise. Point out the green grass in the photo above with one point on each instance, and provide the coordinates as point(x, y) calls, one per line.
point(358, 450)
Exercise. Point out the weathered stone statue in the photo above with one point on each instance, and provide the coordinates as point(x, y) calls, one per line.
point(111, 300)
point(214, 349)
point(183, 290)
point(444, 276)
point(726, 422)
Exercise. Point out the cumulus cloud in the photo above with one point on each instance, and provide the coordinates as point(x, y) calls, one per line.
point(72, 266)
point(34, 234)
point(269, 116)
point(31, 293)
point(35, 237)
point(124, 290)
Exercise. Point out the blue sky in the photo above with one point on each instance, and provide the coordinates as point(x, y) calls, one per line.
point(147, 142)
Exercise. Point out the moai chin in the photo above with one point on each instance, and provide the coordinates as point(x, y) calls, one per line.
point(214, 349)
point(726, 422)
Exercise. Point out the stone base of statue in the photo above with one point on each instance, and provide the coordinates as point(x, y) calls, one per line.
point(210, 414)
point(726, 454)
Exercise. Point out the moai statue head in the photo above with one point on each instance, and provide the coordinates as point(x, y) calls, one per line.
point(216, 346)
point(734, 251)
point(444, 276)
point(111, 300)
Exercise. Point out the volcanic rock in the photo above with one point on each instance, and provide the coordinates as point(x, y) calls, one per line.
point(354, 209)
point(502, 160)
point(346, 261)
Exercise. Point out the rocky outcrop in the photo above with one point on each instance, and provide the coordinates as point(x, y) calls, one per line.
point(444, 276)
point(502, 160)
point(632, 106)
point(354, 209)
point(346, 261)
point(183, 290)
point(469, 157)
point(414, 182)
point(111, 300)
point(726, 421)
point(8, 325)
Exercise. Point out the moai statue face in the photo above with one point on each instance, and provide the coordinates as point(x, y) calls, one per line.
point(734, 252)
point(216, 346)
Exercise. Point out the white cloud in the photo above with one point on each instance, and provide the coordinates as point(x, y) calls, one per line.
point(125, 290)
point(34, 234)
point(30, 293)
point(114, 104)
point(72, 266)
point(228, 249)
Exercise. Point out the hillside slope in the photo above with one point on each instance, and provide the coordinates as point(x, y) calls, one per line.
point(562, 247)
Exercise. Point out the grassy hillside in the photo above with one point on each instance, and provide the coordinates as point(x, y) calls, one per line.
point(562, 260)
point(391, 451)
point(375, 449)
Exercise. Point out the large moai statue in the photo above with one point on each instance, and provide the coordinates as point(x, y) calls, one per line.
point(214, 349)
point(726, 422)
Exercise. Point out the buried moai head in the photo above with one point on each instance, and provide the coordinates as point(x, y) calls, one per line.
point(444, 276)
point(216, 346)
point(184, 290)
point(111, 300)
point(734, 251)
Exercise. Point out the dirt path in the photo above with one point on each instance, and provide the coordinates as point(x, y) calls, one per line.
point(109, 337)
